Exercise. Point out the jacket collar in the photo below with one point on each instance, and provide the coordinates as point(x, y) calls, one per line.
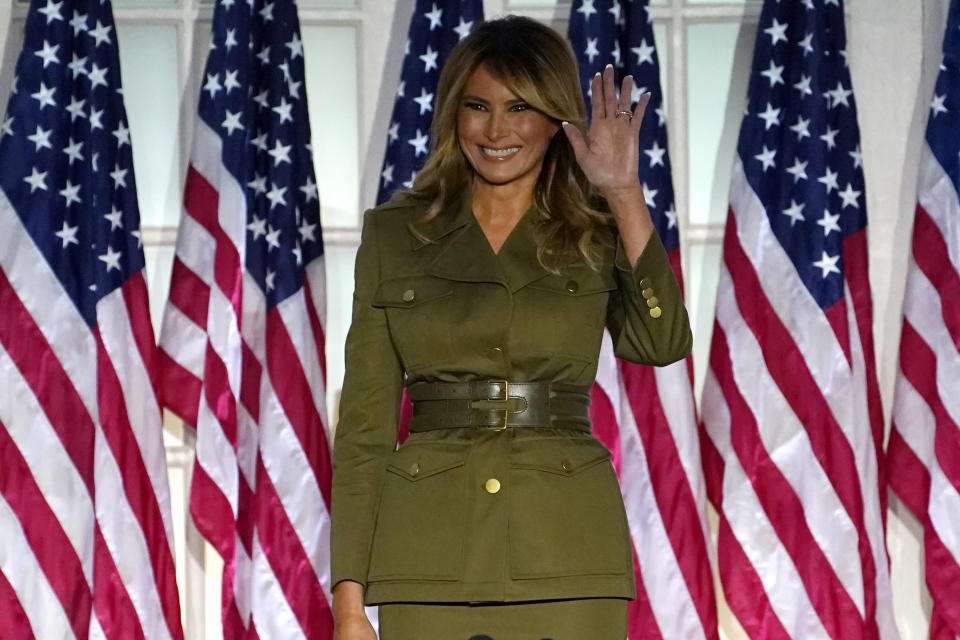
point(463, 253)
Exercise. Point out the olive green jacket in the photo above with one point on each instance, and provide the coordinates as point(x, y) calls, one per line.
point(422, 523)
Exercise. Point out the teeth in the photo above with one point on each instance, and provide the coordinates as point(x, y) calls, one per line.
point(500, 153)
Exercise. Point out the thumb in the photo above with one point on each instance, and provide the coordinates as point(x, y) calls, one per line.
point(576, 141)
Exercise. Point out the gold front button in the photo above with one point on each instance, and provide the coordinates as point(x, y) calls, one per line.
point(572, 286)
point(645, 283)
point(414, 469)
point(492, 485)
point(647, 293)
point(565, 465)
point(656, 312)
point(408, 295)
point(653, 302)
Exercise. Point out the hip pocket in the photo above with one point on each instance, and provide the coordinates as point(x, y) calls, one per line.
point(566, 513)
point(421, 520)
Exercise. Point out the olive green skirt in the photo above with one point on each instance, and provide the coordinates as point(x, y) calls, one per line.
point(583, 619)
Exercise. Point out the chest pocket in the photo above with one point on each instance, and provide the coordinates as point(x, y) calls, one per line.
point(565, 314)
point(418, 314)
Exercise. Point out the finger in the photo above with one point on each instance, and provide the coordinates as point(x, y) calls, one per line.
point(609, 92)
point(640, 109)
point(576, 141)
point(596, 98)
point(626, 93)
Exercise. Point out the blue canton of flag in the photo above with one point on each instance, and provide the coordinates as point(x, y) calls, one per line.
point(943, 125)
point(606, 32)
point(434, 30)
point(799, 142)
point(253, 95)
point(68, 167)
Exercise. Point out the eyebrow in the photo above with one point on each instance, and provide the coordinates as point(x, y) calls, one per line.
point(473, 98)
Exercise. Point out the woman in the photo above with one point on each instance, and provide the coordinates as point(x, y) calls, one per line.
point(485, 290)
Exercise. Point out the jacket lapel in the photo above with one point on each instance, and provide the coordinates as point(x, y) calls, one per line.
point(454, 247)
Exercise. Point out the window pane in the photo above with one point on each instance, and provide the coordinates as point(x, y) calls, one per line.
point(148, 66)
point(702, 276)
point(718, 57)
point(331, 66)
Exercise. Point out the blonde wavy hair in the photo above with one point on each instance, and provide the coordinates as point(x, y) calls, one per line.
point(537, 65)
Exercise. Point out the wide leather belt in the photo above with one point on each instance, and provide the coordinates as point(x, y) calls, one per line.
point(498, 404)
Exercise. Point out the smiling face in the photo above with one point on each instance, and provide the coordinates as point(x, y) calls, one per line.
point(503, 138)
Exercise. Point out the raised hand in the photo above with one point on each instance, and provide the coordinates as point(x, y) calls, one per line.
point(610, 159)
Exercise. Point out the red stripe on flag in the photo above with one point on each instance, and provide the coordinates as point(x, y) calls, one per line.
point(933, 257)
point(137, 485)
point(46, 537)
point(713, 467)
point(783, 508)
point(250, 372)
point(289, 561)
point(219, 395)
point(319, 336)
point(40, 367)
point(675, 501)
point(14, 624)
point(787, 367)
point(212, 513)
point(943, 576)
point(246, 514)
point(201, 200)
point(293, 391)
point(138, 309)
point(605, 427)
point(115, 611)
point(911, 479)
point(179, 389)
point(919, 365)
point(641, 621)
point(189, 293)
point(856, 271)
point(744, 590)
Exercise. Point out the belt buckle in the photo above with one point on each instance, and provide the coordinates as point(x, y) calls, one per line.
point(506, 406)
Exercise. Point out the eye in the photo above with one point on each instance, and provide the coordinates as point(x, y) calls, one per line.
point(474, 106)
point(520, 106)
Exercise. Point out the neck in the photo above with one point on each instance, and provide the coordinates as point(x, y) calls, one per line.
point(502, 203)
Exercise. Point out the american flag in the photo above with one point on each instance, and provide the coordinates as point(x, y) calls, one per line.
point(87, 544)
point(791, 412)
point(923, 454)
point(243, 337)
point(435, 27)
point(646, 415)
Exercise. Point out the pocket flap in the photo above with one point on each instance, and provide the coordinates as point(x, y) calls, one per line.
point(421, 461)
point(562, 456)
point(409, 291)
point(579, 282)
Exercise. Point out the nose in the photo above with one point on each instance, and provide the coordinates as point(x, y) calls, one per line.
point(496, 126)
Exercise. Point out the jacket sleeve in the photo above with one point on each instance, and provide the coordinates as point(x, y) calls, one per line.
point(646, 315)
point(369, 415)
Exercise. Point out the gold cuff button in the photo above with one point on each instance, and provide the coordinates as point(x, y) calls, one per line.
point(492, 485)
point(656, 312)
point(408, 295)
point(647, 293)
point(566, 466)
point(653, 302)
point(572, 286)
point(414, 469)
point(645, 283)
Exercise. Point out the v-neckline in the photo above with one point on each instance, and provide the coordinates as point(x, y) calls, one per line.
point(513, 231)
